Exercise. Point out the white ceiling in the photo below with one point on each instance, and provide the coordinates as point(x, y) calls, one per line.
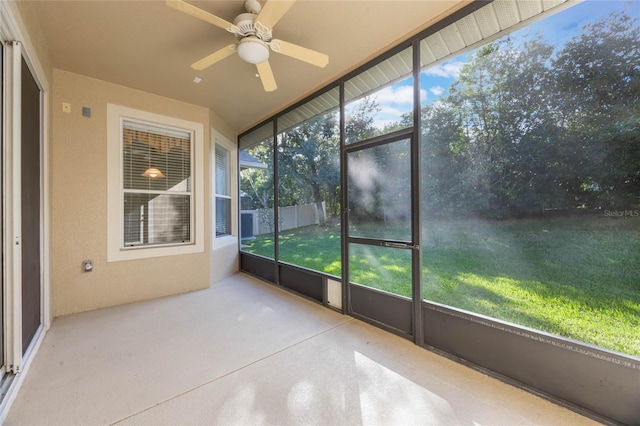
point(148, 46)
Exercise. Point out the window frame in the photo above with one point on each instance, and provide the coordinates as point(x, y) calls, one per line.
point(217, 139)
point(219, 149)
point(116, 249)
point(148, 216)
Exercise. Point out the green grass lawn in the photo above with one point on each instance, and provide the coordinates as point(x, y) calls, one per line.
point(575, 277)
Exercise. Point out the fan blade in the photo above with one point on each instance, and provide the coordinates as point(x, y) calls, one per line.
point(301, 53)
point(209, 60)
point(199, 13)
point(272, 11)
point(266, 76)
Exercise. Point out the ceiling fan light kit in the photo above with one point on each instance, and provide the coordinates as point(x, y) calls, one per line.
point(253, 50)
point(253, 30)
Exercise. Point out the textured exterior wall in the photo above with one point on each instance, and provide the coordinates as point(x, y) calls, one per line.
point(79, 202)
point(224, 260)
point(225, 254)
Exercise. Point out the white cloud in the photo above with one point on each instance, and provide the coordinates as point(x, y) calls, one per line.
point(423, 95)
point(395, 95)
point(393, 102)
point(398, 96)
point(381, 124)
point(447, 69)
point(387, 110)
point(437, 90)
point(388, 115)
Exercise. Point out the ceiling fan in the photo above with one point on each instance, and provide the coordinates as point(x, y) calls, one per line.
point(253, 30)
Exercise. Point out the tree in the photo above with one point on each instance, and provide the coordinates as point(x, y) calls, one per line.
point(359, 121)
point(309, 162)
point(598, 97)
point(258, 183)
point(379, 176)
point(503, 95)
point(526, 128)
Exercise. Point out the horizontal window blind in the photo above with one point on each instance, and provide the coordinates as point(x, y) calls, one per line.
point(223, 216)
point(222, 171)
point(157, 185)
point(222, 191)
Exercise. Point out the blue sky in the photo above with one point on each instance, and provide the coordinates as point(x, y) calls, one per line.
point(435, 81)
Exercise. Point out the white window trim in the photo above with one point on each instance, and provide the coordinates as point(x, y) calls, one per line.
point(226, 195)
point(224, 240)
point(115, 250)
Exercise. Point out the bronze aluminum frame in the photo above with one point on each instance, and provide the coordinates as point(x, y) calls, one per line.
point(616, 403)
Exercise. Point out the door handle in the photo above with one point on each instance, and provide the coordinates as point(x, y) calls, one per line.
point(401, 245)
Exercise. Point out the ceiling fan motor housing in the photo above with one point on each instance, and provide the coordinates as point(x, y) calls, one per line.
point(244, 22)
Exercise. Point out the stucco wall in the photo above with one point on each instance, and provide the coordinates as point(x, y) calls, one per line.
point(79, 202)
point(224, 260)
point(223, 128)
point(225, 254)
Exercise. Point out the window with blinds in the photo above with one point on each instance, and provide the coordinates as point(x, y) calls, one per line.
point(222, 191)
point(156, 185)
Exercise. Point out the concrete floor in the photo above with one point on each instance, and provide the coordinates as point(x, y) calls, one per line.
point(244, 352)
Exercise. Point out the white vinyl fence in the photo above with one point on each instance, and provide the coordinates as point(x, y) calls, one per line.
point(291, 217)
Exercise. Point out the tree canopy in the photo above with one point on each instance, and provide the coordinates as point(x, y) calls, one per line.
point(528, 126)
